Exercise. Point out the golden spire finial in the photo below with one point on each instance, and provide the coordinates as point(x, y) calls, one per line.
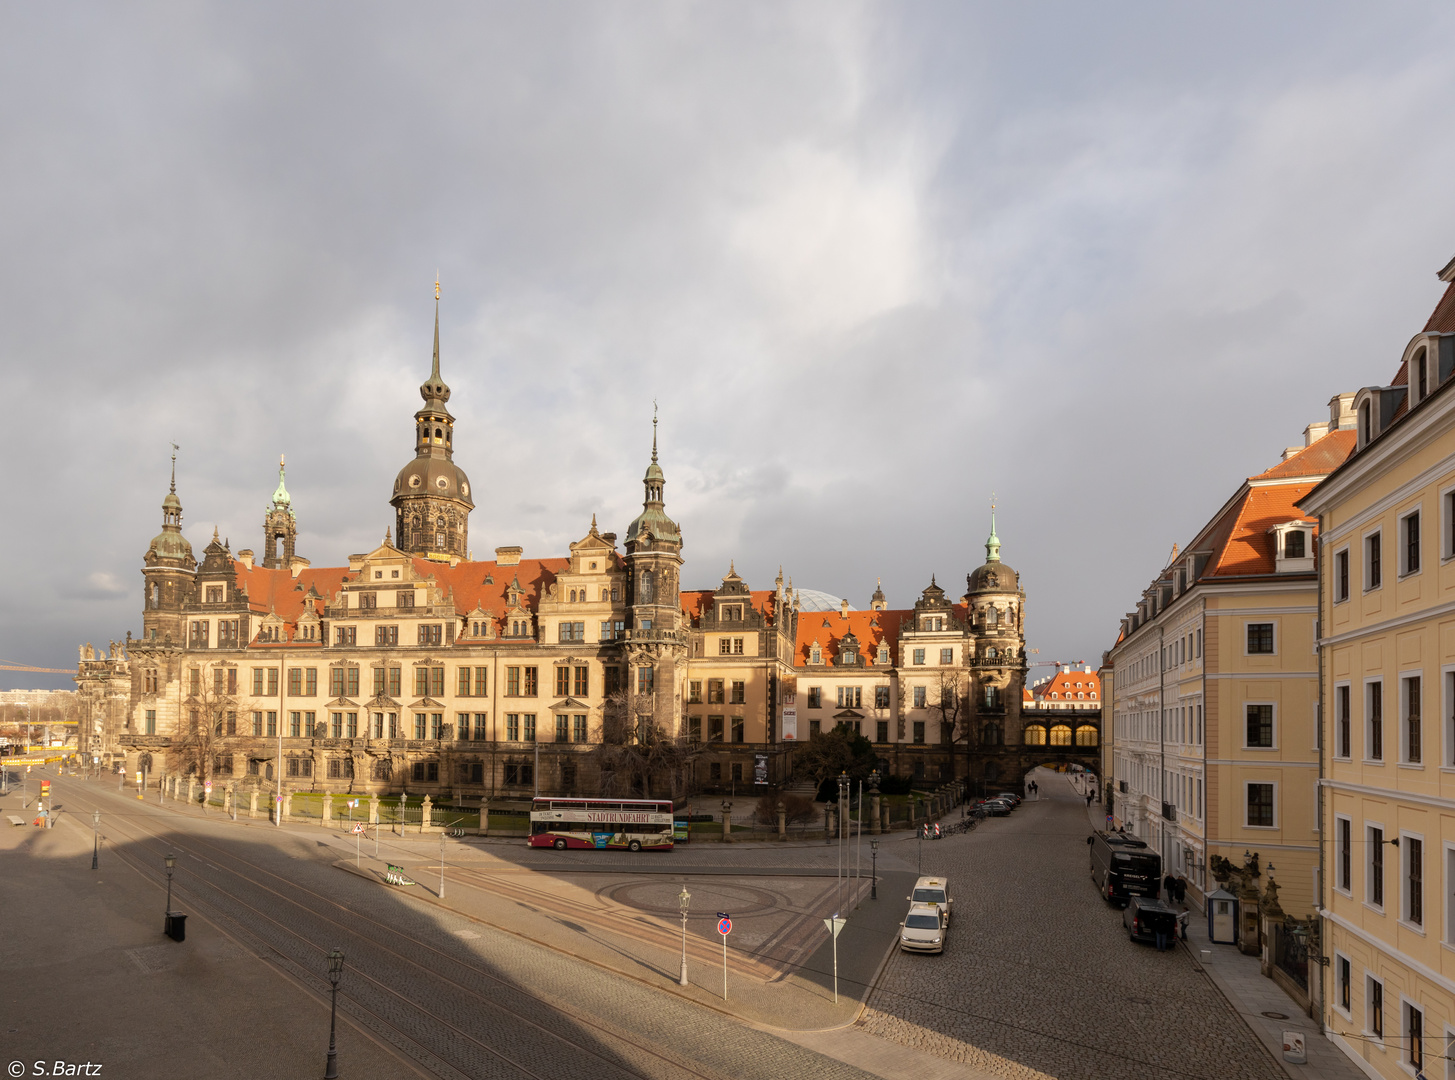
point(436, 284)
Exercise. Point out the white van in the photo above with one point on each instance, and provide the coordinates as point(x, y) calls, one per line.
point(923, 929)
point(933, 890)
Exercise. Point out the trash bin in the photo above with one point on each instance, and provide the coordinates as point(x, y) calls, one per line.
point(176, 926)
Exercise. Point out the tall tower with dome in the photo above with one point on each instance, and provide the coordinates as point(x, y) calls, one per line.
point(995, 608)
point(431, 498)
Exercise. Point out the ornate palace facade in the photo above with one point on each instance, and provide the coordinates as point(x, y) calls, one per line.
point(417, 667)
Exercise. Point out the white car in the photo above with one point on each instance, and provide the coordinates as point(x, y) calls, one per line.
point(923, 929)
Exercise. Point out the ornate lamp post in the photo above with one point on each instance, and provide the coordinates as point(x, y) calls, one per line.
point(171, 860)
point(843, 825)
point(874, 879)
point(684, 902)
point(335, 972)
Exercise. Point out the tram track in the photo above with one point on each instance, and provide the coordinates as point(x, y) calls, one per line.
point(383, 1014)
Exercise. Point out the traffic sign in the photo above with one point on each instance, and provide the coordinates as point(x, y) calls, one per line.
point(834, 925)
point(724, 926)
point(45, 789)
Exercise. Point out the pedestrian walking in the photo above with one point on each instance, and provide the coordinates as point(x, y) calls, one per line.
point(1088, 801)
point(1180, 889)
point(1169, 885)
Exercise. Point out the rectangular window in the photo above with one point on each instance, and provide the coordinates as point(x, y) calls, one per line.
point(378, 682)
point(1374, 724)
point(1260, 638)
point(1373, 566)
point(881, 698)
point(386, 635)
point(512, 727)
point(528, 726)
point(310, 720)
point(310, 682)
point(437, 681)
point(563, 728)
point(512, 682)
point(582, 687)
point(1414, 1036)
point(345, 635)
point(605, 629)
point(480, 733)
point(919, 731)
point(919, 656)
point(739, 731)
point(1412, 736)
point(421, 723)
point(1260, 805)
point(694, 728)
point(295, 725)
point(257, 723)
point(1412, 853)
point(351, 725)
point(1374, 994)
point(463, 681)
point(1342, 734)
point(351, 678)
point(739, 693)
point(1344, 853)
point(1341, 576)
point(815, 697)
point(1343, 975)
point(920, 694)
point(151, 722)
point(694, 692)
point(272, 724)
point(436, 725)
point(715, 691)
point(714, 729)
point(724, 646)
point(1260, 727)
point(578, 727)
point(1374, 841)
point(882, 732)
point(336, 682)
point(482, 681)
point(336, 721)
point(563, 682)
point(404, 598)
point(737, 646)
point(257, 681)
point(430, 633)
point(1409, 527)
point(531, 687)
point(947, 656)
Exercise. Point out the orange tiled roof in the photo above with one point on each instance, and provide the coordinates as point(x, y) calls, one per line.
point(1442, 319)
point(826, 628)
point(1063, 686)
point(1320, 459)
point(278, 591)
point(696, 601)
point(1249, 546)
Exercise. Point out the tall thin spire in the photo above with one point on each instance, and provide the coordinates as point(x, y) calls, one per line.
point(434, 372)
point(992, 544)
point(175, 448)
point(654, 431)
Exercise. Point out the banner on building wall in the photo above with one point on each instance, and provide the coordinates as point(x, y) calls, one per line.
point(760, 768)
point(788, 709)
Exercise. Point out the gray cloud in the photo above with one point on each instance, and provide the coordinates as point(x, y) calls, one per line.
point(873, 262)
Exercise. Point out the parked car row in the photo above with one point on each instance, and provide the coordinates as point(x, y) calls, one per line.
point(928, 919)
point(1000, 804)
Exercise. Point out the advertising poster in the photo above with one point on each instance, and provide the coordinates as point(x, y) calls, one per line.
point(788, 709)
point(760, 768)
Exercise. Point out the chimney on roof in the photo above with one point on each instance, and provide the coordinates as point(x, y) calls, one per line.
point(508, 556)
point(1315, 431)
point(245, 556)
point(610, 538)
point(1341, 412)
point(298, 564)
point(1289, 451)
point(844, 609)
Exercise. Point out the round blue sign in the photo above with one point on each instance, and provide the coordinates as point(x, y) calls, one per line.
point(724, 927)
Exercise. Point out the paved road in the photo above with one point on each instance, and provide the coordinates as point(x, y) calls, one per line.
point(457, 997)
point(1038, 977)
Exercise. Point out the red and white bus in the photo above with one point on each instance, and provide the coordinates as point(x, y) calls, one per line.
point(612, 824)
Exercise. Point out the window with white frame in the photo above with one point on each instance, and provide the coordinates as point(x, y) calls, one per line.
point(1412, 879)
point(1373, 562)
point(1374, 865)
point(1260, 638)
point(1343, 734)
point(1261, 805)
point(1409, 543)
point(1374, 1007)
point(1258, 733)
point(1449, 896)
point(1341, 575)
point(1343, 983)
point(1447, 527)
point(1414, 1035)
point(1411, 737)
point(1374, 720)
point(1343, 853)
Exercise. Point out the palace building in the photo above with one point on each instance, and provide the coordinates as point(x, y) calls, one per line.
point(415, 667)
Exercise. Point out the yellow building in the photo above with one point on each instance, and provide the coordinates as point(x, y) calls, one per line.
point(1387, 674)
point(1214, 689)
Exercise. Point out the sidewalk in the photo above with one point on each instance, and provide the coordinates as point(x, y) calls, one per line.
point(1240, 979)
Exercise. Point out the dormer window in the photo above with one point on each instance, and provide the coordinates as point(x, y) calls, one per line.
point(848, 657)
point(1422, 375)
point(1293, 548)
point(883, 657)
point(1293, 544)
point(815, 655)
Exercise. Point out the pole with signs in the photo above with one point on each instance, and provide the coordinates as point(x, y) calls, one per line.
point(724, 927)
point(835, 924)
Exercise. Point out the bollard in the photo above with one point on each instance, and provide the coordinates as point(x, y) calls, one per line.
point(252, 804)
point(327, 807)
point(874, 807)
point(782, 821)
point(727, 822)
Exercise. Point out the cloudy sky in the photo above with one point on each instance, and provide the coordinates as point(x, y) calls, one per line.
point(874, 262)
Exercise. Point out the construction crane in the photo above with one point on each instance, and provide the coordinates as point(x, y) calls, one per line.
point(7, 666)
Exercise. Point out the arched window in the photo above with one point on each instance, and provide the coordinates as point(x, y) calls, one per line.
point(1061, 735)
point(990, 735)
point(573, 596)
point(990, 616)
point(1035, 735)
point(1086, 736)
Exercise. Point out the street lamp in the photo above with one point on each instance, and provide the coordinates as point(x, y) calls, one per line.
point(874, 878)
point(684, 902)
point(96, 838)
point(335, 972)
point(171, 860)
point(843, 800)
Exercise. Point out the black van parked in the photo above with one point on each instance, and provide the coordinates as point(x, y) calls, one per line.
point(1123, 866)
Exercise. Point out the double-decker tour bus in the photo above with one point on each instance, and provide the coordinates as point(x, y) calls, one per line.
point(633, 824)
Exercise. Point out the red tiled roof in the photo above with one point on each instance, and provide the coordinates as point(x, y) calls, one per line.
point(826, 628)
point(280, 592)
point(1063, 684)
point(1442, 319)
point(1249, 547)
point(696, 601)
point(1320, 459)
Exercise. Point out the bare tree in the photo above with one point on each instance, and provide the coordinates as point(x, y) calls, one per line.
point(202, 728)
point(636, 751)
